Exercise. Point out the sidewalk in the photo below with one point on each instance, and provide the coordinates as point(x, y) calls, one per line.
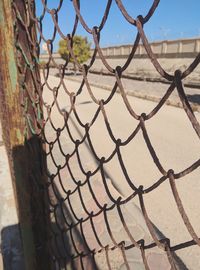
point(10, 243)
point(156, 258)
point(152, 91)
point(8, 218)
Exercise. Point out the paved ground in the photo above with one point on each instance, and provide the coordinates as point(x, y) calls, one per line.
point(10, 244)
point(175, 142)
point(152, 91)
point(177, 147)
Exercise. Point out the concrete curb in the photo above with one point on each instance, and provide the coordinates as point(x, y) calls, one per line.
point(174, 103)
point(146, 77)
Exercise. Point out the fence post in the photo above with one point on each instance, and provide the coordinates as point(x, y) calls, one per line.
point(24, 148)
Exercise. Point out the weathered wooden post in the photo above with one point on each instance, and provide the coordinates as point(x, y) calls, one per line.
point(21, 115)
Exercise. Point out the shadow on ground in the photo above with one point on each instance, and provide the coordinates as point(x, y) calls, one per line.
point(70, 73)
point(60, 246)
point(194, 98)
point(67, 245)
point(60, 249)
point(11, 248)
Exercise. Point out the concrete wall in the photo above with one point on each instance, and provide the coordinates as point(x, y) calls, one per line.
point(166, 48)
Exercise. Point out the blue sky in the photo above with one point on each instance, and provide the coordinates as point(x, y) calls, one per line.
point(173, 19)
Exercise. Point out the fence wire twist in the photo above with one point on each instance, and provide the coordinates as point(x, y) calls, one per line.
point(75, 231)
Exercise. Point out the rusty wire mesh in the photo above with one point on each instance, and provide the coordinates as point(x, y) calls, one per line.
point(84, 206)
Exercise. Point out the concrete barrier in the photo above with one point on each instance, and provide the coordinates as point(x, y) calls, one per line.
point(165, 48)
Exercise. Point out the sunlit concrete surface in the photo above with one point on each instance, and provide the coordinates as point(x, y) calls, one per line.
point(10, 244)
point(173, 139)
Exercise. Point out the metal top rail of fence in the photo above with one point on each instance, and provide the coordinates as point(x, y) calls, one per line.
point(85, 207)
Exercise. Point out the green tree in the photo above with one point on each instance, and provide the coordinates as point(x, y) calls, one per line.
point(81, 49)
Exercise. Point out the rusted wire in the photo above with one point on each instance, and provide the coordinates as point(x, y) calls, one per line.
point(69, 243)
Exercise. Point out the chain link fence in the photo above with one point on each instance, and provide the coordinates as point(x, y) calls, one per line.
point(92, 223)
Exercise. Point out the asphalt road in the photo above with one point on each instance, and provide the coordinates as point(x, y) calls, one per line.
point(173, 138)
